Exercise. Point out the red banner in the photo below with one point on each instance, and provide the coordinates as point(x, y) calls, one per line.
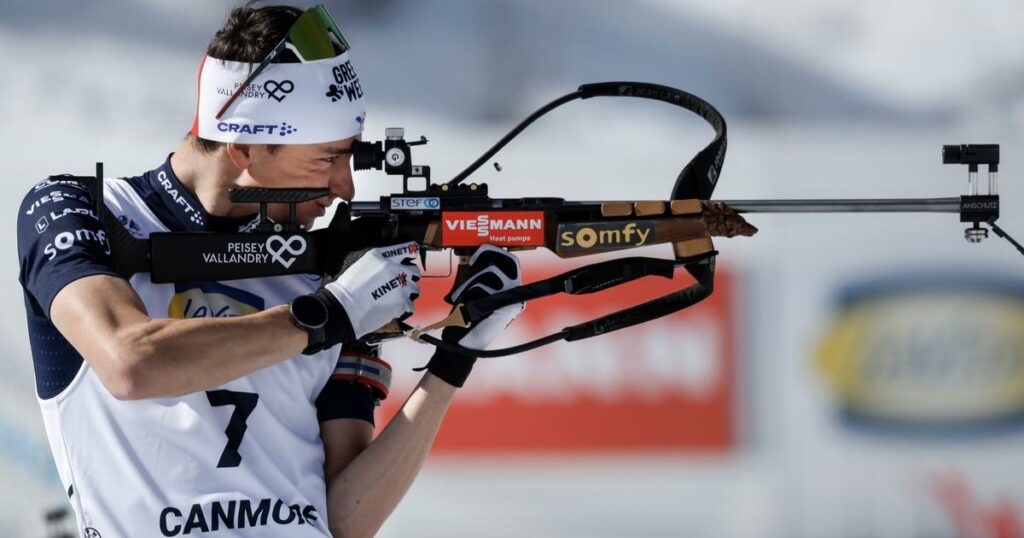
point(663, 385)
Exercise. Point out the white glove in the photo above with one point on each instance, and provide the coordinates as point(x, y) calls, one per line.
point(497, 270)
point(378, 288)
point(492, 270)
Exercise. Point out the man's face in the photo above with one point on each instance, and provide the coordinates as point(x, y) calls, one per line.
point(316, 166)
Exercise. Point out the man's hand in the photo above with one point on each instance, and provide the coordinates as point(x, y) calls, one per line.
point(492, 270)
point(379, 287)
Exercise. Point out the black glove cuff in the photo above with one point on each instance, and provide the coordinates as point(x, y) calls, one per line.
point(452, 368)
point(338, 329)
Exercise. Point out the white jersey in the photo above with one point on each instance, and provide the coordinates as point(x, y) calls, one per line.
point(241, 459)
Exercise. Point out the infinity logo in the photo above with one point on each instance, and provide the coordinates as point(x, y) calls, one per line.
point(276, 245)
point(279, 90)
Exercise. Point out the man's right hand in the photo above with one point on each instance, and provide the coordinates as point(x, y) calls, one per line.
point(379, 287)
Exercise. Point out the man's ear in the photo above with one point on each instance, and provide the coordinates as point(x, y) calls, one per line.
point(240, 155)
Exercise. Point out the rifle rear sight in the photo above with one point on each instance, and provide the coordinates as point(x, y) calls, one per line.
point(394, 155)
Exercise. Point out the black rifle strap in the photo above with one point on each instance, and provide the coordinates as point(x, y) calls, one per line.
point(701, 268)
point(579, 281)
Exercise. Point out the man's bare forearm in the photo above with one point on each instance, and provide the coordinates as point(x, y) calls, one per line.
point(180, 356)
point(137, 356)
point(363, 495)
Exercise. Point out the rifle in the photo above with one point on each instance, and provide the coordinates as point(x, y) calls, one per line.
point(462, 216)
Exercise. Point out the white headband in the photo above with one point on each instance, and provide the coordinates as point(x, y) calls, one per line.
point(288, 103)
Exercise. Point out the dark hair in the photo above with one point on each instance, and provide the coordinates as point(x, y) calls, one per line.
point(249, 34)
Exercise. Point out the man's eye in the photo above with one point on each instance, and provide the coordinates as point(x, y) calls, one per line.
point(330, 160)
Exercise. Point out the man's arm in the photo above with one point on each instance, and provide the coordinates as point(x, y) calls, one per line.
point(364, 493)
point(67, 269)
point(343, 439)
point(136, 356)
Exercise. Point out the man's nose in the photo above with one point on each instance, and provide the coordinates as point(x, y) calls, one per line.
point(341, 186)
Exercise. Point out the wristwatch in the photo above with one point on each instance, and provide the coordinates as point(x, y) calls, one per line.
point(310, 315)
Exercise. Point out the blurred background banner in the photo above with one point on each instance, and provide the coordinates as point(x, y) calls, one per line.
point(825, 390)
point(932, 352)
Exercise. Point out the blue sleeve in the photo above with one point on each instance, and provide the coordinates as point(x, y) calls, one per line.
point(60, 238)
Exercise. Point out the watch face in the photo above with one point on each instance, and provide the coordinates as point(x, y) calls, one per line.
point(309, 312)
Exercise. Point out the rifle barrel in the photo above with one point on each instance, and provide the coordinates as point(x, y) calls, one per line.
point(880, 205)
